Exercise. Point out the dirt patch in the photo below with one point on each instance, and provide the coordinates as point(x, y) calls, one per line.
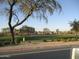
point(39, 45)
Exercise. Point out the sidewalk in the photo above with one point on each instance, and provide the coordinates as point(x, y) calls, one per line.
point(35, 46)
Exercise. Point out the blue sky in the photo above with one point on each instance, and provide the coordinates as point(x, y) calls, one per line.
point(61, 21)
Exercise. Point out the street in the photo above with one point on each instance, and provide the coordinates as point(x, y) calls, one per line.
point(51, 54)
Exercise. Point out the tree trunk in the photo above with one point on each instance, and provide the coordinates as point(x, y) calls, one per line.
point(12, 34)
point(76, 36)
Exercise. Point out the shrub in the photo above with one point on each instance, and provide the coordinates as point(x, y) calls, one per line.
point(44, 40)
point(52, 40)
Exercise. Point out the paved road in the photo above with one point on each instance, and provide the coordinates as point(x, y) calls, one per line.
point(51, 54)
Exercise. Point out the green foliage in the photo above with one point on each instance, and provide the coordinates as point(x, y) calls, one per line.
point(4, 41)
point(75, 25)
point(44, 38)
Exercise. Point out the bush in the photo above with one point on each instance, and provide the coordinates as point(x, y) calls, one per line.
point(52, 40)
point(45, 40)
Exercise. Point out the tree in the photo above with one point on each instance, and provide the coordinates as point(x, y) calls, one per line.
point(4, 30)
point(38, 8)
point(27, 30)
point(75, 26)
point(57, 31)
point(46, 31)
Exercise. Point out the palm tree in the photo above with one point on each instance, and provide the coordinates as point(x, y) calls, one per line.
point(38, 8)
point(75, 26)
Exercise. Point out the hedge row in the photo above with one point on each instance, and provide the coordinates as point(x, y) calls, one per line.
point(41, 37)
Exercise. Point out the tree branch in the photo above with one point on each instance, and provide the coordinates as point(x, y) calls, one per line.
point(16, 17)
point(9, 2)
point(19, 23)
point(11, 11)
point(29, 14)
